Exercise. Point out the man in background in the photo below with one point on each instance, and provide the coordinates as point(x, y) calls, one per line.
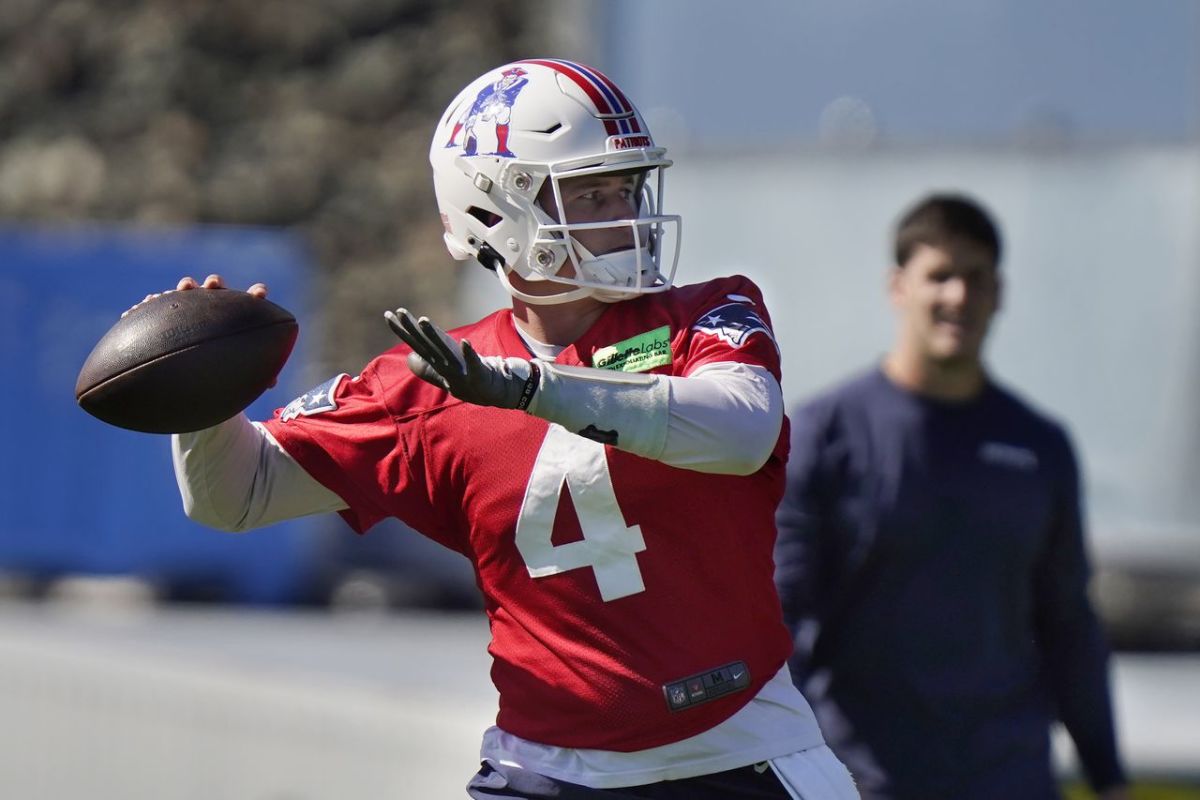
point(931, 554)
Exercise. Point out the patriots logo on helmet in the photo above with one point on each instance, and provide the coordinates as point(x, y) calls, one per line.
point(314, 401)
point(493, 104)
point(733, 322)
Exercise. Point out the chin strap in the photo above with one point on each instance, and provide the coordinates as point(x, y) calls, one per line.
point(577, 293)
point(616, 270)
point(610, 267)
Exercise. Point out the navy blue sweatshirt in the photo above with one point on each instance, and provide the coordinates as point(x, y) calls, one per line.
point(932, 566)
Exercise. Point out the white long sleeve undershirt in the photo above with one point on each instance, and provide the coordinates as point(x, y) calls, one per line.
point(724, 418)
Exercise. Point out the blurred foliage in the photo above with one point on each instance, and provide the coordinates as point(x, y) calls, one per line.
point(314, 115)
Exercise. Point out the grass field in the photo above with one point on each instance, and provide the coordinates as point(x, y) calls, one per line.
point(1141, 791)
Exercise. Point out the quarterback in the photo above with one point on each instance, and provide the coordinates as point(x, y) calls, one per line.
point(608, 451)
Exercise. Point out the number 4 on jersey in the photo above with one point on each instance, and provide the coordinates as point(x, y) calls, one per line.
point(609, 546)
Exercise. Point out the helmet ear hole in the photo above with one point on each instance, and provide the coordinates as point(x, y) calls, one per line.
point(488, 218)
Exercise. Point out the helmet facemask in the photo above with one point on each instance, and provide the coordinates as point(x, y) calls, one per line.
point(647, 265)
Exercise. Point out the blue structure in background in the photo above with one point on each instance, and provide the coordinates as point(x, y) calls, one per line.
point(80, 497)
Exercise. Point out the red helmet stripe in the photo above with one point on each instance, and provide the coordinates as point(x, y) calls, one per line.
point(621, 99)
point(616, 97)
point(588, 85)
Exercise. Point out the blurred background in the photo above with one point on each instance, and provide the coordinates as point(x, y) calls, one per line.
point(143, 140)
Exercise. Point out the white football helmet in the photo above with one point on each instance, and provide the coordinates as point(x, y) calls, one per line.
point(539, 120)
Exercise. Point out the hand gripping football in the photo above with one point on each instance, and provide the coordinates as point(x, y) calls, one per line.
point(186, 360)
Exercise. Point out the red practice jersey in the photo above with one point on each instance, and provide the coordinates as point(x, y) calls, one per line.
point(609, 579)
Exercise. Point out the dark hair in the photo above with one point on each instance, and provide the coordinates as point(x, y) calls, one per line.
point(941, 218)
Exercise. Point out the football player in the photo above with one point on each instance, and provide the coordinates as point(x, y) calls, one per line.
point(608, 452)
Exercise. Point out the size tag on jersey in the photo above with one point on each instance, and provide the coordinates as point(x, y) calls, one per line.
point(704, 686)
point(637, 353)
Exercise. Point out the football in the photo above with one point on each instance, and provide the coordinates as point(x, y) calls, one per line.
point(186, 360)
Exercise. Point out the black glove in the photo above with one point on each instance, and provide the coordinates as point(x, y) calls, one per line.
point(457, 368)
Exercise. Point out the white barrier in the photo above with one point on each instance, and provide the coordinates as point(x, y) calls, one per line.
point(114, 717)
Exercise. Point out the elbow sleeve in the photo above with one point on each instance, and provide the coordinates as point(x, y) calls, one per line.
point(235, 476)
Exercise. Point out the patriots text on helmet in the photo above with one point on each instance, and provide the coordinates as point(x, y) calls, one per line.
point(628, 142)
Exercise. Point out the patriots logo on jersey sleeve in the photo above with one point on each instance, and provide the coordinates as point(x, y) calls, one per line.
point(734, 323)
point(314, 401)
